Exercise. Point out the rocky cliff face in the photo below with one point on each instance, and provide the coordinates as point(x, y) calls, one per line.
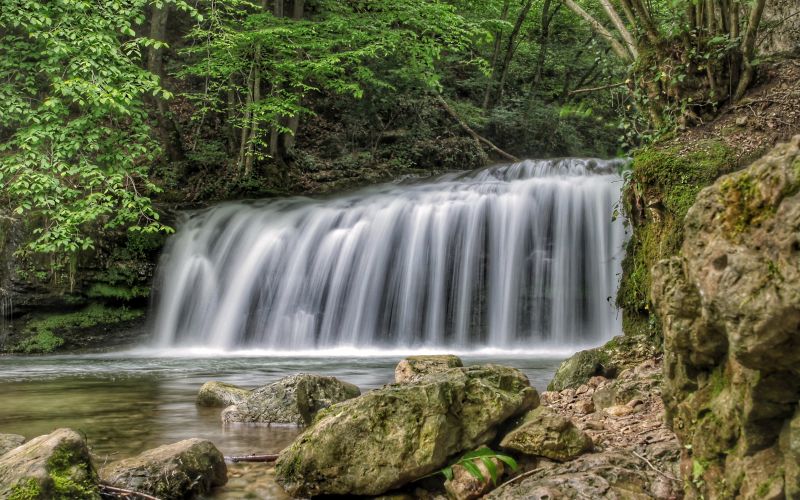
point(730, 310)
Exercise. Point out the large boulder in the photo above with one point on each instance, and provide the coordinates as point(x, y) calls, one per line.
point(56, 465)
point(393, 435)
point(181, 470)
point(730, 309)
point(10, 441)
point(291, 400)
point(545, 433)
point(220, 394)
point(414, 368)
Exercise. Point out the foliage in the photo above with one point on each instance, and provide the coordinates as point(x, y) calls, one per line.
point(44, 331)
point(74, 136)
point(271, 63)
point(484, 455)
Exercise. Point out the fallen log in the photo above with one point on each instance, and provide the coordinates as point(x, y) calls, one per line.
point(475, 136)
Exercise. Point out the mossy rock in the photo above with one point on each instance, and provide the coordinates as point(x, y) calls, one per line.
point(180, 470)
point(545, 433)
point(220, 394)
point(413, 368)
point(401, 432)
point(56, 466)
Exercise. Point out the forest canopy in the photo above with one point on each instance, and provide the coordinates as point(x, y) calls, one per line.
point(109, 105)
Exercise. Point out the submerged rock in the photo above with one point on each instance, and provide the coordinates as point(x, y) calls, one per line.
point(401, 432)
point(415, 367)
point(220, 394)
point(730, 310)
point(56, 465)
point(291, 400)
point(10, 441)
point(545, 433)
point(181, 470)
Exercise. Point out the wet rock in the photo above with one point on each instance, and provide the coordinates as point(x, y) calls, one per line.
point(413, 368)
point(401, 432)
point(220, 394)
point(465, 486)
point(10, 441)
point(181, 470)
point(291, 400)
point(545, 433)
point(56, 465)
point(730, 309)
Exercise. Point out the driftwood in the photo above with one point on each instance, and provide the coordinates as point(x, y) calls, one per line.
point(478, 138)
point(252, 458)
point(107, 491)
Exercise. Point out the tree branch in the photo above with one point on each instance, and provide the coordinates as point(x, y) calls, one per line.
point(478, 138)
point(600, 30)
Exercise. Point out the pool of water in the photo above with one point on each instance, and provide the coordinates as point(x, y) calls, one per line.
point(125, 403)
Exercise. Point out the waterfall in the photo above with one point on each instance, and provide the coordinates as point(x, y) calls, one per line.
point(516, 256)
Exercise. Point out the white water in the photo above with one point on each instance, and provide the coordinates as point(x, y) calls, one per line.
point(519, 257)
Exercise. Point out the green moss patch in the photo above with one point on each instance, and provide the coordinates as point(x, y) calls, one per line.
point(45, 333)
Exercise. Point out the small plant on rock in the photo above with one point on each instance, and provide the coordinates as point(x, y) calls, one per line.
point(485, 455)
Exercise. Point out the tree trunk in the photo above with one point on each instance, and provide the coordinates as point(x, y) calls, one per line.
point(167, 131)
point(748, 48)
point(512, 47)
point(498, 38)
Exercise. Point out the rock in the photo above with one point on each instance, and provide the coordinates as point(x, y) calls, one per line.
point(181, 470)
point(729, 305)
point(401, 432)
point(609, 475)
point(545, 433)
point(619, 411)
point(291, 400)
point(9, 442)
point(584, 406)
point(414, 367)
point(56, 465)
point(220, 394)
point(576, 370)
point(465, 486)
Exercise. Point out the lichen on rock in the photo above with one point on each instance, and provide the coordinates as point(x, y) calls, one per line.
point(545, 433)
point(413, 368)
point(401, 432)
point(291, 400)
point(730, 308)
point(179, 470)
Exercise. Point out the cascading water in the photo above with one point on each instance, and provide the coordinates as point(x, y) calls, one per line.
point(519, 256)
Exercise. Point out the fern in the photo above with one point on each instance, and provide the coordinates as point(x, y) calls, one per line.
point(485, 455)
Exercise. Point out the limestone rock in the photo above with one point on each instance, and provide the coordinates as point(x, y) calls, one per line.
point(56, 465)
point(414, 367)
point(576, 370)
point(465, 486)
point(10, 441)
point(545, 433)
point(401, 432)
point(220, 394)
point(291, 400)
point(609, 475)
point(730, 310)
point(181, 470)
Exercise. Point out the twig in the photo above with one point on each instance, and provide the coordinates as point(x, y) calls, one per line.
point(592, 89)
point(524, 474)
point(252, 458)
point(125, 493)
point(668, 476)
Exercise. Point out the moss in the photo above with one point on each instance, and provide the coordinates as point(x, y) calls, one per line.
point(73, 477)
point(664, 182)
point(28, 489)
point(44, 331)
point(125, 293)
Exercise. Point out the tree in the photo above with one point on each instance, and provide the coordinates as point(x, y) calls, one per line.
point(686, 57)
point(261, 64)
point(75, 144)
